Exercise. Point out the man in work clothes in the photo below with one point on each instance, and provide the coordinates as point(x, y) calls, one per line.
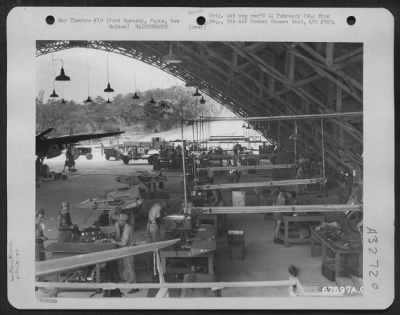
point(40, 237)
point(153, 225)
point(124, 237)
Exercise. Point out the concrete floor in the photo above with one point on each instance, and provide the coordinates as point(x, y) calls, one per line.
point(264, 260)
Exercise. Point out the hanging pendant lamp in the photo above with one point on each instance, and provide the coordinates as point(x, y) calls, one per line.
point(62, 76)
point(63, 101)
point(89, 99)
point(108, 89)
point(54, 94)
point(135, 96)
point(152, 101)
point(248, 126)
point(108, 101)
point(196, 93)
point(202, 101)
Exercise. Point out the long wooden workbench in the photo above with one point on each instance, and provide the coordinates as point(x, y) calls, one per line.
point(246, 167)
point(272, 183)
point(277, 209)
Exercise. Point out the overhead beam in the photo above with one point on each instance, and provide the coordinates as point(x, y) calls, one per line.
point(322, 60)
point(299, 91)
point(350, 54)
point(331, 78)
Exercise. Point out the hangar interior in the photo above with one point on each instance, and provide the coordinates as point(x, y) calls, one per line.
point(283, 220)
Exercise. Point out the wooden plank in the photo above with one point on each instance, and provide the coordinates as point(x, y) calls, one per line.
point(77, 261)
point(169, 285)
point(231, 156)
point(273, 183)
point(277, 209)
point(248, 167)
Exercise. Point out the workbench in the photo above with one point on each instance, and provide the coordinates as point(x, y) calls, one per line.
point(338, 251)
point(202, 246)
point(60, 250)
point(302, 218)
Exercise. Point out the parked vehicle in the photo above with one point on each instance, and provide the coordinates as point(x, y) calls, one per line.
point(135, 150)
point(86, 151)
point(115, 152)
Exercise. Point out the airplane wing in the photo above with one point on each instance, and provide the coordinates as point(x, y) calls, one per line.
point(80, 137)
point(43, 133)
point(78, 261)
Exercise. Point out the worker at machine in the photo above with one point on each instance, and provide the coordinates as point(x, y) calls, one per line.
point(234, 174)
point(290, 198)
point(214, 199)
point(322, 186)
point(299, 175)
point(39, 236)
point(65, 227)
point(153, 224)
point(345, 185)
point(124, 237)
point(237, 148)
point(186, 210)
point(279, 200)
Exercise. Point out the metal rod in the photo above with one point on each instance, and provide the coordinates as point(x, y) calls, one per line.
point(183, 162)
point(295, 141)
point(290, 182)
point(285, 117)
point(249, 167)
point(278, 209)
point(322, 148)
point(171, 285)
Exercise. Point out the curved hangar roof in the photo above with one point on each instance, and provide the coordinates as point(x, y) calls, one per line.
point(267, 79)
